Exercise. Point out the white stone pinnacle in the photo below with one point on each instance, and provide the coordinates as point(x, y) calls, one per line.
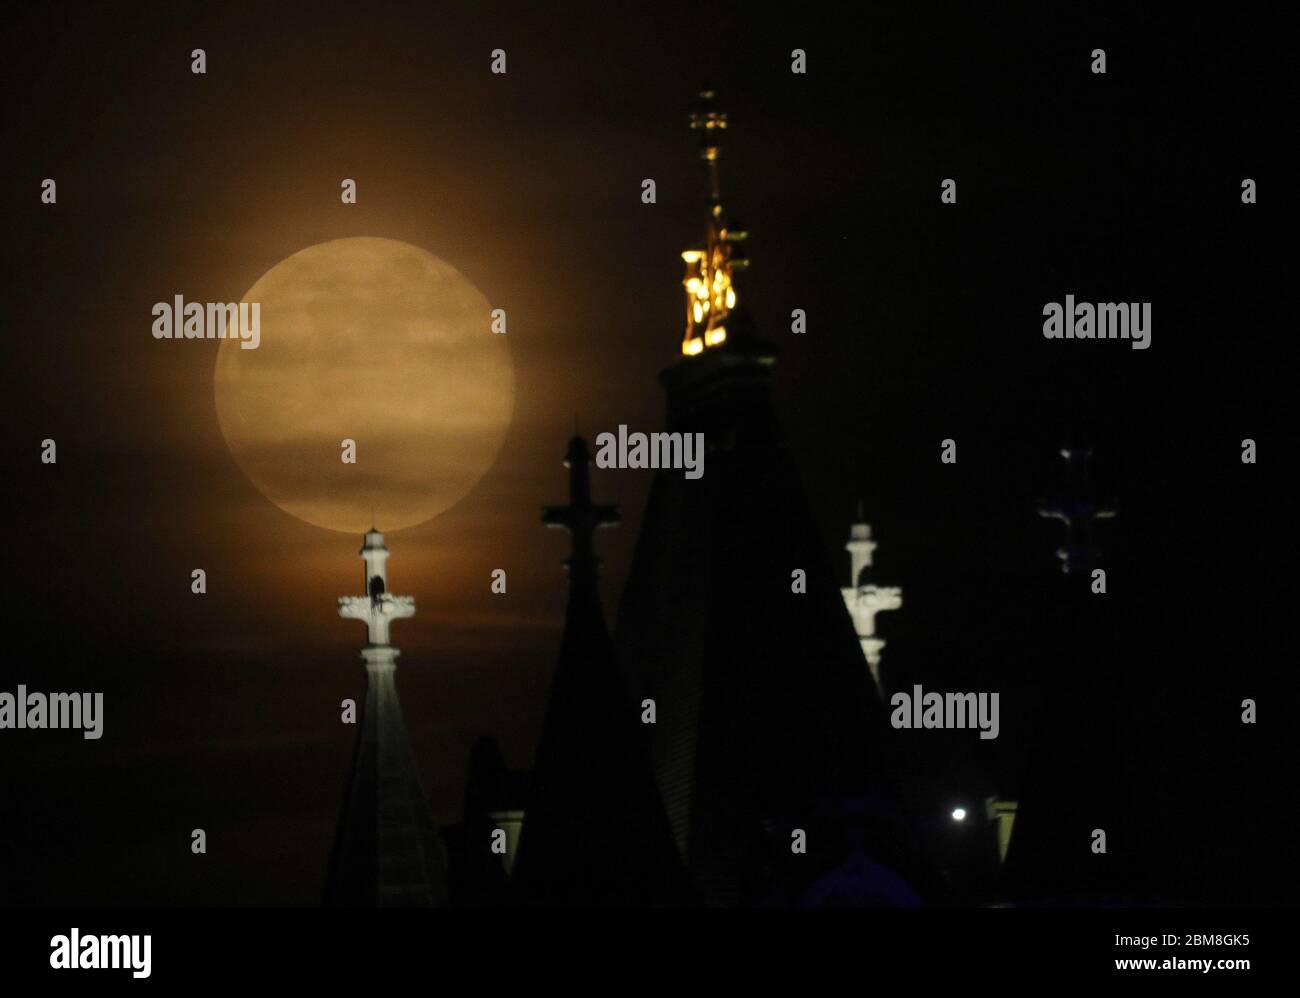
point(865, 600)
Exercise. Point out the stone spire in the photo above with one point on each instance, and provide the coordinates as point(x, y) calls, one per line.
point(595, 833)
point(386, 852)
point(1080, 773)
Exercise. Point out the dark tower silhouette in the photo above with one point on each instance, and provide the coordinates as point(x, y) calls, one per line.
point(594, 828)
point(766, 706)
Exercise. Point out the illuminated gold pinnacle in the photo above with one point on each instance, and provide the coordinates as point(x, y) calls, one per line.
point(710, 293)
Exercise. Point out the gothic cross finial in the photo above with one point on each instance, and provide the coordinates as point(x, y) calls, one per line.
point(378, 608)
point(1077, 512)
point(581, 517)
point(864, 599)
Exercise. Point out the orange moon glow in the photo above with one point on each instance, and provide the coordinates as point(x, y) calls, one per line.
point(378, 342)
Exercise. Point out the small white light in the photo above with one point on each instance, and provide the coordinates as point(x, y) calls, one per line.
point(959, 814)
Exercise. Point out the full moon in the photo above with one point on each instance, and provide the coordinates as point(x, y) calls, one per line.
point(379, 343)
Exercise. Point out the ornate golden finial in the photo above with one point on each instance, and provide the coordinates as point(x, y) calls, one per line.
point(710, 293)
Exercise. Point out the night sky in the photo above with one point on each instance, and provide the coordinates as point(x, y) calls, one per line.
point(924, 322)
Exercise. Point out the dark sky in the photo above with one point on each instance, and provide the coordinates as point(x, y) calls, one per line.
point(924, 323)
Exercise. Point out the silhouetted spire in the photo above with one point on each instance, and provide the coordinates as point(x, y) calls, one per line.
point(386, 852)
point(594, 832)
point(1076, 838)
